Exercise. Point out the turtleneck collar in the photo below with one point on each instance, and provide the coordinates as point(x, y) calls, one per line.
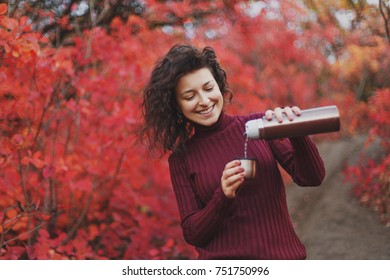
point(223, 121)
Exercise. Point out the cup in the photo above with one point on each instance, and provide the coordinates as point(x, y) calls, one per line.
point(249, 165)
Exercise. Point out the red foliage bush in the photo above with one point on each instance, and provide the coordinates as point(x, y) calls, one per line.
point(74, 183)
point(371, 178)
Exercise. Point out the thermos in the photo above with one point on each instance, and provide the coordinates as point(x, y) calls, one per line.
point(311, 121)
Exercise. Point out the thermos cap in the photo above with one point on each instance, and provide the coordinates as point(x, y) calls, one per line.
point(252, 128)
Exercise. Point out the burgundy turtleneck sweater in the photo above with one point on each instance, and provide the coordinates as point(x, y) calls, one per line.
point(256, 223)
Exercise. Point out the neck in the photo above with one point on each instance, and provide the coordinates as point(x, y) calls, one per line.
point(222, 122)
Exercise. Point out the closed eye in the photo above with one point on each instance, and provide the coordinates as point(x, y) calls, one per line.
point(189, 97)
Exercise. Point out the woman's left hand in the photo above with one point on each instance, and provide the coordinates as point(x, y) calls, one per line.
point(278, 112)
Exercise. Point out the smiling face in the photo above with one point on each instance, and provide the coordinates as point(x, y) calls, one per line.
point(199, 97)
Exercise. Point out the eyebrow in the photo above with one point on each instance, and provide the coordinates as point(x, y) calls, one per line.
point(191, 90)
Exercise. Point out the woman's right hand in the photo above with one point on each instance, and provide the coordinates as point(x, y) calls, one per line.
point(232, 178)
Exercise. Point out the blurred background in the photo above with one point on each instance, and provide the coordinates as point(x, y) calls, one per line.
point(76, 184)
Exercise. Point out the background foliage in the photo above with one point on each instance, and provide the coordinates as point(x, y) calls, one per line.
point(75, 183)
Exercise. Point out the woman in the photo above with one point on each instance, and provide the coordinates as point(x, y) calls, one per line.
point(223, 215)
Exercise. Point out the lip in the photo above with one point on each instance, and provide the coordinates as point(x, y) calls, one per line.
point(207, 111)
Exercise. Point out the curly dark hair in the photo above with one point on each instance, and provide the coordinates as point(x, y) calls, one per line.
point(161, 128)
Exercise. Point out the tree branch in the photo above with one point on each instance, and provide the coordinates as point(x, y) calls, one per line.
point(81, 218)
point(386, 18)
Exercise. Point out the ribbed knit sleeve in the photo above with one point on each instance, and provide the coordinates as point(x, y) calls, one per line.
point(300, 158)
point(199, 222)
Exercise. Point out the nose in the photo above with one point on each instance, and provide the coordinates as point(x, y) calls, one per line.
point(203, 99)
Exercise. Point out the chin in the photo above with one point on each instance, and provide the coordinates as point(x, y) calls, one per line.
point(209, 122)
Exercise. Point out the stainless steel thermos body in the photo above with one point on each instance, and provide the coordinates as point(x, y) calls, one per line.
point(311, 121)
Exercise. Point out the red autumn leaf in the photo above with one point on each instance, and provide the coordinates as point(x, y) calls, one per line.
point(15, 252)
point(170, 243)
point(83, 185)
point(154, 252)
point(9, 23)
point(37, 160)
point(18, 140)
point(30, 252)
point(3, 9)
point(48, 171)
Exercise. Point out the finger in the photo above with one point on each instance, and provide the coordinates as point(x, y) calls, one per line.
point(269, 114)
point(237, 184)
point(231, 168)
point(231, 190)
point(296, 110)
point(289, 113)
point(234, 181)
point(232, 171)
point(232, 164)
point(230, 184)
point(279, 114)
